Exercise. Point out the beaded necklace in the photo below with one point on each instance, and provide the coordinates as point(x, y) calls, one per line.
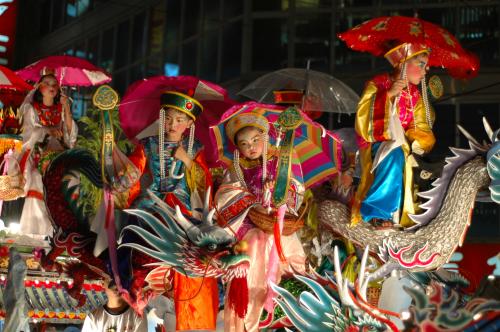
point(161, 139)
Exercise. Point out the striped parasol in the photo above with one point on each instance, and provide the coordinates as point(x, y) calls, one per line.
point(317, 152)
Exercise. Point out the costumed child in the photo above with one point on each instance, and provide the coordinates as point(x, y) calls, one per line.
point(241, 202)
point(48, 128)
point(178, 174)
point(393, 120)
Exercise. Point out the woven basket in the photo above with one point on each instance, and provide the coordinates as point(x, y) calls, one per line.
point(266, 222)
point(11, 186)
point(373, 295)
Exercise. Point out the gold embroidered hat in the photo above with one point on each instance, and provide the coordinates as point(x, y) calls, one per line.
point(242, 120)
point(404, 52)
point(182, 103)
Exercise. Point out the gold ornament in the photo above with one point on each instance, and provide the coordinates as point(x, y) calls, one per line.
point(105, 98)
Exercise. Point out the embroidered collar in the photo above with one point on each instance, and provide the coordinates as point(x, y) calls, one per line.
point(49, 115)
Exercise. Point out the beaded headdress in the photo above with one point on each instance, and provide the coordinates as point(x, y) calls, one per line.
point(242, 120)
point(404, 52)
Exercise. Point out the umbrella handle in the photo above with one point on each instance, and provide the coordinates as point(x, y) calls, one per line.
point(172, 172)
point(266, 199)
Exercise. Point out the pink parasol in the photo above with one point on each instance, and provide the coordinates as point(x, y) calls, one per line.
point(69, 71)
point(140, 108)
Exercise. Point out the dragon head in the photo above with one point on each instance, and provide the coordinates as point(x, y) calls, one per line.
point(195, 247)
point(491, 152)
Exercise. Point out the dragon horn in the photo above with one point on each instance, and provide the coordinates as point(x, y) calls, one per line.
point(191, 230)
point(488, 129)
point(336, 263)
point(468, 135)
point(362, 271)
point(207, 218)
point(210, 217)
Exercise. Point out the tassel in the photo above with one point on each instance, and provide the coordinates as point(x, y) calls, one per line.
point(238, 296)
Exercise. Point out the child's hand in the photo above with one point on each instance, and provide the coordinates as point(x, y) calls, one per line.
point(64, 100)
point(346, 179)
point(396, 88)
point(416, 148)
point(269, 185)
point(182, 155)
point(54, 132)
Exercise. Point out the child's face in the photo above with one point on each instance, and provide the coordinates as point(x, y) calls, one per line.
point(417, 68)
point(175, 124)
point(250, 142)
point(49, 87)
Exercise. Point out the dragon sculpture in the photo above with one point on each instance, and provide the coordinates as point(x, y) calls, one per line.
point(445, 216)
point(72, 232)
point(337, 305)
point(181, 243)
point(193, 247)
point(341, 305)
point(196, 248)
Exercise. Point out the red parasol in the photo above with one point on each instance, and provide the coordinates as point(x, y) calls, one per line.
point(379, 35)
point(13, 89)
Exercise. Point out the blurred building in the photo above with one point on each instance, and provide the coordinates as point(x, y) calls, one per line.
point(231, 42)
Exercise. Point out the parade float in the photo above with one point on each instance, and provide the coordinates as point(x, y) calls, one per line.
point(284, 228)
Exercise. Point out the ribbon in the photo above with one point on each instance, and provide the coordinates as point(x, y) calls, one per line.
point(109, 226)
point(107, 174)
point(283, 173)
point(276, 251)
point(107, 168)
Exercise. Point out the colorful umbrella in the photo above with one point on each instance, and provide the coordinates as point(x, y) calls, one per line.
point(140, 107)
point(69, 71)
point(317, 152)
point(379, 35)
point(324, 93)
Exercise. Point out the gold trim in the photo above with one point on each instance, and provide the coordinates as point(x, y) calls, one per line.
point(186, 97)
point(394, 49)
point(177, 108)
